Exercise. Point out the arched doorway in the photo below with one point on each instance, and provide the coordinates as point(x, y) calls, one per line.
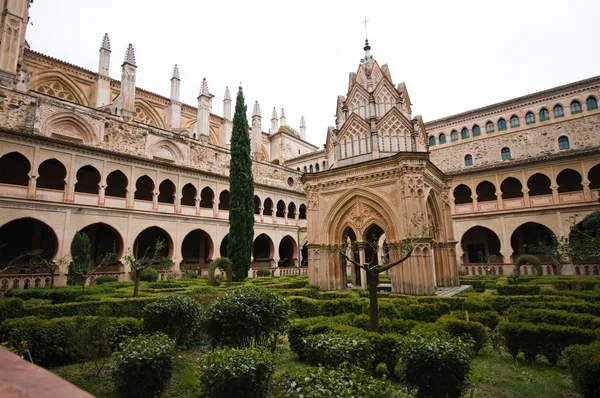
point(188, 195)
point(528, 237)
point(262, 249)
point(196, 249)
point(268, 207)
point(481, 245)
point(26, 235)
point(145, 243)
point(224, 200)
point(288, 253)
point(223, 246)
point(104, 239)
point(166, 192)
point(14, 169)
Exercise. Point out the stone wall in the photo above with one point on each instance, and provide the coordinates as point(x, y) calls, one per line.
point(17, 110)
point(530, 143)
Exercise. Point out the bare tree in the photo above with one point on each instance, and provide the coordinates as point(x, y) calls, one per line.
point(138, 264)
point(33, 261)
point(418, 231)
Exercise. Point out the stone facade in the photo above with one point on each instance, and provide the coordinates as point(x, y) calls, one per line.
point(82, 151)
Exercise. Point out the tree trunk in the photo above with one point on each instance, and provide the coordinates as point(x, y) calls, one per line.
point(52, 272)
point(83, 282)
point(136, 282)
point(372, 280)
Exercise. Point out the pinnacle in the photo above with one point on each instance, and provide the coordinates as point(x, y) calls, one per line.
point(175, 72)
point(130, 55)
point(105, 42)
point(204, 87)
point(282, 112)
point(227, 95)
point(302, 122)
point(274, 115)
point(256, 110)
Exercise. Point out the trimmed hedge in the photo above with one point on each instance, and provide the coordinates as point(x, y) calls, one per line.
point(555, 317)
point(47, 338)
point(519, 290)
point(333, 349)
point(176, 316)
point(305, 307)
point(149, 274)
point(577, 284)
point(547, 340)
point(130, 307)
point(425, 312)
point(577, 307)
point(459, 328)
point(144, 366)
point(584, 364)
point(11, 308)
point(102, 279)
point(63, 294)
point(236, 373)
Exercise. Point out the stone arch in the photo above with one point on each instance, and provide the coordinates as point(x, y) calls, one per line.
point(539, 184)
point(103, 239)
point(257, 204)
point(434, 216)
point(511, 188)
point(360, 207)
point(486, 191)
point(26, 235)
point(207, 196)
point(280, 211)
point(145, 242)
point(116, 184)
point(223, 246)
point(594, 177)
point(462, 194)
point(166, 151)
point(58, 85)
point(197, 248)
point(52, 175)
point(302, 212)
point(188, 195)
point(268, 207)
point(288, 252)
point(265, 153)
point(481, 245)
point(88, 180)
point(569, 180)
point(166, 191)
point(144, 188)
point(263, 248)
point(14, 169)
point(144, 113)
point(69, 127)
point(291, 210)
point(527, 235)
point(224, 200)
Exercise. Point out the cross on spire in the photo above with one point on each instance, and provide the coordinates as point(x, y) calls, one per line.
point(365, 22)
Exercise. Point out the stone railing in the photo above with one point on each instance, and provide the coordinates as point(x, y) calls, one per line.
point(279, 271)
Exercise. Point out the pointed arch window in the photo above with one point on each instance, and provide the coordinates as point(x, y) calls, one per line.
point(529, 118)
point(558, 111)
point(505, 153)
point(468, 160)
point(464, 133)
point(544, 115)
point(501, 124)
point(591, 103)
point(514, 121)
point(489, 127)
point(563, 142)
point(454, 135)
point(575, 107)
point(431, 140)
point(476, 131)
point(442, 138)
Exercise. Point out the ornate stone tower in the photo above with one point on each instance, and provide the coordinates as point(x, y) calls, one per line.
point(204, 108)
point(256, 131)
point(381, 179)
point(103, 77)
point(13, 24)
point(174, 111)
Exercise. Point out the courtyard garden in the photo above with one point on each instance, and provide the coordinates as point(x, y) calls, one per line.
point(531, 336)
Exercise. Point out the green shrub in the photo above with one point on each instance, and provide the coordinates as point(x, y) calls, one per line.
point(236, 373)
point(106, 279)
point(584, 364)
point(11, 308)
point(263, 272)
point(246, 316)
point(425, 312)
point(489, 319)
point(224, 264)
point(459, 328)
point(454, 303)
point(450, 357)
point(305, 307)
point(519, 290)
point(130, 307)
point(397, 325)
point(333, 349)
point(176, 316)
point(47, 338)
point(344, 381)
point(189, 275)
point(555, 317)
point(589, 296)
point(149, 274)
point(577, 307)
point(577, 284)
point(381, 371)
point(528, 259)
point(547, 340)
point(476, 305)
point(144, 366)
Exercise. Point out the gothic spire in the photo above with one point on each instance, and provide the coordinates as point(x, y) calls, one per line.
point(204, 88)
point(105, 42)
point(302, 122)
point(274, 114)
point(256, 110)
point(175, 73)
point(130, 55)
point(227, 95)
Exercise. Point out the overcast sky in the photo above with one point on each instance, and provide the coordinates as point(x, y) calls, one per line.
point(453, 56)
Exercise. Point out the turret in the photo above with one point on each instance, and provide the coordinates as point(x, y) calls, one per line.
point(13, 24)
point(256, 131)
point(227, 123)
point(274, 121)
point(124, 104)
point(174, 110)
point(103, 78)
point(282, 118)
point(302, 128)
point(204, 107)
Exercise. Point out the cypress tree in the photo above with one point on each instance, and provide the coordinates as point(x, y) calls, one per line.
point(241, 194)
point(81, 259)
